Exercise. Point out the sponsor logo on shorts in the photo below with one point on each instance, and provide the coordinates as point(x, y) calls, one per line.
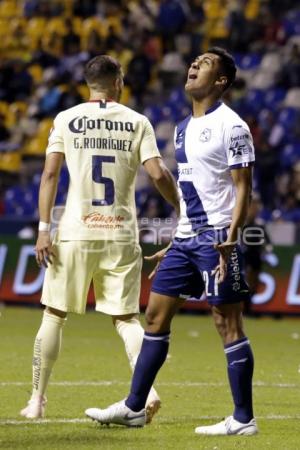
point(235, 270)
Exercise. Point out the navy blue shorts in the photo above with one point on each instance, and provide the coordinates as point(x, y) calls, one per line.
point(186, 271)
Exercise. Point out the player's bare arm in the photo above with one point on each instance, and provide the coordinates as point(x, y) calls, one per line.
point(47, 194)
point(163, 180)
point(242, 179)
point(166, 185)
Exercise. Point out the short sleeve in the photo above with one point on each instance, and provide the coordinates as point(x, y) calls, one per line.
point(55, 140)
point(148, 147)
point(174, 136)
point(239, 146)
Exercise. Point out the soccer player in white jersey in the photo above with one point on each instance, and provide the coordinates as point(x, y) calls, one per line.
point(103, 144)
point(214, 151)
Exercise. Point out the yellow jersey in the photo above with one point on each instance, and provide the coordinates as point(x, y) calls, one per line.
point(104, 144)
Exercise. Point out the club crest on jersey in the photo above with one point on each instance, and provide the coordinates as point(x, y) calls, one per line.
point(205, 135)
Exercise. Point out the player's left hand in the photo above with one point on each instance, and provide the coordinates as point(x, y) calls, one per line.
point(43, 249)
point(157, 257)
point(225, 250)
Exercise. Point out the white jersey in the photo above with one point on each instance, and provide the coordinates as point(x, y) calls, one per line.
point(207, 148)
point(104, 143)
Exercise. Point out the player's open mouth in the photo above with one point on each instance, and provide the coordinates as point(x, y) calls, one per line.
point(192, 77)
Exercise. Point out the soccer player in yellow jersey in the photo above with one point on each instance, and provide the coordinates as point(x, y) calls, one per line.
point(103, 144)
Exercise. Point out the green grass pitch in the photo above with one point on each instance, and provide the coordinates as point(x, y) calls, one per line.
point(93, 371)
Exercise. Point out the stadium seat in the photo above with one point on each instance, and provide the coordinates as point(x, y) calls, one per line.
point(21, 201)
point(34, 147)
point(36, 179)
point(13, 113)
point(164, 130)
point(212, 9)
point(291, 26)
point(36, 71)
point(178, 96)
point(252, 8)
point(255, 99)
point(83, 91)
point(274, 97)
point(161, 144)
point(293, 40)
point(292, 98)
point(154, 114)
point(4, 28)
point(9, 8)
point(272, 62)
point(57, 25)
point(36, 27)
point(45, 127)
point(290, 155)
point(64, 178)
point(10, 162)
point(22, 106)
point(37, 145)
point(4, 107)
point(249, 61)
point(114, 22)
point(262, 79)
point(93, 23)
point(77, 24)
point(288, 118)
point(246, 75)
point(126, 95)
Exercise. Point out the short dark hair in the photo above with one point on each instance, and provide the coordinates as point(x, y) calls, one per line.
point(101, 70)
point(228, 66)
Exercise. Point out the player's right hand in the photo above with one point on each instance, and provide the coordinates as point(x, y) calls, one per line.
point(43, 249)
point(157, 257)
point(225, 250)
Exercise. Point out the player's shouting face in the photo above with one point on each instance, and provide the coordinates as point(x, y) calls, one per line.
point(205, 77)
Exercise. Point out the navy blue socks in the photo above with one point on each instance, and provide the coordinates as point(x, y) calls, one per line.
point(240, 370)
point(152, 356)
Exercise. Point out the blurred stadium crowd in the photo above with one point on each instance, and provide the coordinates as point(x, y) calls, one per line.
point(45, 44)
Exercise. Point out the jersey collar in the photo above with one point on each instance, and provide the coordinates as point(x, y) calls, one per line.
point(213, 107)
point(104, 100)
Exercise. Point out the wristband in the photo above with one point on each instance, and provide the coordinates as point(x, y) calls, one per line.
point(43, 226)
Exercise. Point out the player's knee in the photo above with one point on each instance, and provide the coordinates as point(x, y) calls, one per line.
point(151, 317)
point(220, 325)
point(233, 333)
point(156, 322)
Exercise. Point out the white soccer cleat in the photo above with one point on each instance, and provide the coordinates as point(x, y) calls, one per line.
point(152, 405)
point(35, 408)
point(118, 413)
point(229, 426)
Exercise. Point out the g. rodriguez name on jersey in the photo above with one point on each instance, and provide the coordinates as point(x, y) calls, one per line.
point(81, 125)
point(103, 144)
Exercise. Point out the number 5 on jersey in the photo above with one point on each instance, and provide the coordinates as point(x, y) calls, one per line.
point(109, 188)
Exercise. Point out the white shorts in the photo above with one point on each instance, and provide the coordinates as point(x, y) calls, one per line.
point(113, 267)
